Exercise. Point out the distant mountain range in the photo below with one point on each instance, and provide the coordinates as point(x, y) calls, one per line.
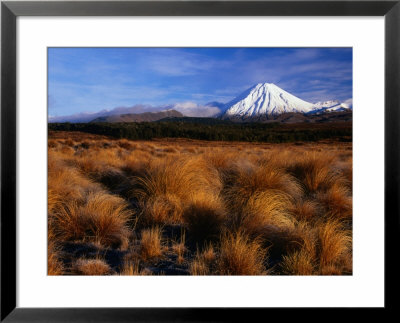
point(268, 101)
point(262, 102)
point(140, 117)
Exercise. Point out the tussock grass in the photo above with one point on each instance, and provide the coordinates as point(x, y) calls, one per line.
point(180, 250)
point(135, 164)
point(246, 181)
point(334, 243)
point(91, 267)
point(314, 170)
point(183, 177)
point(130, 268)
point(305, 210)
point(268, 207)
point(244, 208)
point(54, 255)
point(101, 219)
point(203, 262)
point(338, 202)
point(240, 255)
point(161, 209)
point(150, 244)
point(298, 263)
point(66, 184)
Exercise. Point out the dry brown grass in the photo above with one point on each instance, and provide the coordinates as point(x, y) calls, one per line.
point(335, 244)
point(240, 255)
point(54, 256)
point(102, 218)
point(338, 202)
point(132, 268)
point(91, 267)
point(180, 250)
point(314, 170)
point(305, 210)
point(161, 209)
point(298, 263)
point(246, 180)
point(268, 207)
point(202, 263)
point(183, 177)
point(150, 244)
point(245, 208)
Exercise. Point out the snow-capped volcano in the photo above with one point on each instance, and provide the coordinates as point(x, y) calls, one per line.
point(265, 99)
point(331, 106)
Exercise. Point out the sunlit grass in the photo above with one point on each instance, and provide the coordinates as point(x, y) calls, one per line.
point(200, 208)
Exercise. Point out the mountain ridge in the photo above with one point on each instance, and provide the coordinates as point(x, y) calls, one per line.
point(263, 101)
point(140, 117)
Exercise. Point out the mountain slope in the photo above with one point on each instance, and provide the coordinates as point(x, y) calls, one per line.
point(140, 117)
point(330, 106)
point(265, 99)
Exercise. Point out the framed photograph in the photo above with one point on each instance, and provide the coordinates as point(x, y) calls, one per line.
point(197, 160)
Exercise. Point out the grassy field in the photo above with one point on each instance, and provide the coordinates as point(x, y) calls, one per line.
point(192, 207)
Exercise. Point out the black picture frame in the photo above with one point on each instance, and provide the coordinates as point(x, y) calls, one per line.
point(10, 10)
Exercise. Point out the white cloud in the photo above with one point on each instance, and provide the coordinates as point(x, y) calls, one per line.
point(191, 109)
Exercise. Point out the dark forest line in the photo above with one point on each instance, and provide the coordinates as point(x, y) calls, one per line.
point(222, 131)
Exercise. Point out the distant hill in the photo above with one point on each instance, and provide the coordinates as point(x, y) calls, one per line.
point(140, 117)
point(264, 102)
point(197, 120)
point(293, 117)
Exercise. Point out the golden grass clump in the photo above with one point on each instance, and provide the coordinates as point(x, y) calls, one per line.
point(179, 249)
point(314, 170)
point(338, 202)
point(305, 210)
point(183, 177)
point(66, 184)
point(298, 262)
point(244, 182)
point(161, 209)
point(102, 219)
point(170, 183)
point(203, 262)
point(334, 243)
point(150, 244)
point(133, 269)
point(219, 159)
point(91, 267)
point(130, 268)
point(268, 207)
point(240, 255)
point(54, 255)
point(135, 164)
point(348, 172)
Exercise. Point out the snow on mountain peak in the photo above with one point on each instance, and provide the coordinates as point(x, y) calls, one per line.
point(265, 99)
point(332, 106)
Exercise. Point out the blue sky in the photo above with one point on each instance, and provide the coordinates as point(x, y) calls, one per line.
point(93, 79)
